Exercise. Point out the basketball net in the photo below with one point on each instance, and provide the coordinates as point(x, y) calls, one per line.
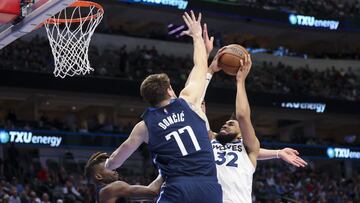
point(69, 34)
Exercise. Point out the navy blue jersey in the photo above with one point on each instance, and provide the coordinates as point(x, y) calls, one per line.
point(178, 141)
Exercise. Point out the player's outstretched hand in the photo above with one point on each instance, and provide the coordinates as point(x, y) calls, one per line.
point(244, 68)
point(291, 156)
point(209, 42)
point(193, 24)
point(214, 67)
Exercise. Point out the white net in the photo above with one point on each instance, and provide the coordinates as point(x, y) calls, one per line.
point(69, 34)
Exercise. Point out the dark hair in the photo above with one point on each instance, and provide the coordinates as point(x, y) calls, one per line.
point(154, 88)
point(95, 159)
point(233, 116)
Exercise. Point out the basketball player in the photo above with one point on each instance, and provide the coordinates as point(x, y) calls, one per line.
point(287, 154)
point(112, 188)
point(236, 161)
point(176, 133)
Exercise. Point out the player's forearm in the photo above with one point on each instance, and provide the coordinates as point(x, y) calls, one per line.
point(200, 55)
point(156, 185)
point(243, 117)
point(141, 191)
point(242, 103)
point(118, 157)
point(266, 154)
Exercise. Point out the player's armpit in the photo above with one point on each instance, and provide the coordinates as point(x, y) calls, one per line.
point(138, 135)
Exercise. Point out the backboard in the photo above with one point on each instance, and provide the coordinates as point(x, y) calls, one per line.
point(31, 16)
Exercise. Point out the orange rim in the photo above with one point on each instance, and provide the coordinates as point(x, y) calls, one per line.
point(81, 19)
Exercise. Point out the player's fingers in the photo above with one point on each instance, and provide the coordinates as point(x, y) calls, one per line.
point(211, 39)
point(205, 32)
point(188, 17)
point(295, 151)
point(199, 17)
point(186, 20)
point(294, 163)
point(302, 161)
point(221, 49)
point(300, 164)
point(192, 15)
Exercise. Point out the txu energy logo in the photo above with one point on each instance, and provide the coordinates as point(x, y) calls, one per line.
point(311, 21)
point(180, 4)
point(344, 153)
point(4, 137)
point(23, 137)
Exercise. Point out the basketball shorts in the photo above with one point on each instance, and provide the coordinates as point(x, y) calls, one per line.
point(190, 190)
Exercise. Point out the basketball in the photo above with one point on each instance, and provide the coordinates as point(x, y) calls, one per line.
point(230, 59)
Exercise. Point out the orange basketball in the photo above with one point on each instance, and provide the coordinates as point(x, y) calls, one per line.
point(230, 58)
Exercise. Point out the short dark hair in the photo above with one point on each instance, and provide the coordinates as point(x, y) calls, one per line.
point(154, 88)
point(233, 116)
point(95, 159)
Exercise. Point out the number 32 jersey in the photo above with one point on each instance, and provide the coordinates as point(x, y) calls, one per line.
point(178, 141)
point(234, 171)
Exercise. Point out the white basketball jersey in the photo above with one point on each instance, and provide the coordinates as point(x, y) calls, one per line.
point(234, 171)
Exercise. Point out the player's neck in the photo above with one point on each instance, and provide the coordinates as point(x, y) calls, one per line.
point(163, 103)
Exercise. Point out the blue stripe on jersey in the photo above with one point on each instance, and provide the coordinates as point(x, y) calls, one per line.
point(178, 141)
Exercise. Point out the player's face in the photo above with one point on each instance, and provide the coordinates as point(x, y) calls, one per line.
point(230, 127)
point(105, 175)
point(228, 132)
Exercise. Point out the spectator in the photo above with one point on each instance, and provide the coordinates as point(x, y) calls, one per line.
point(45, 198)
point(70, 193)
point(14, 197)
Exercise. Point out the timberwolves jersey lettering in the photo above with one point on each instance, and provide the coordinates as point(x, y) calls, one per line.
point(179, 141)
point(235, 171)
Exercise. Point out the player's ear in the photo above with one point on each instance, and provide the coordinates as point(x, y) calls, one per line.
point(98, 177)
point(171, 92)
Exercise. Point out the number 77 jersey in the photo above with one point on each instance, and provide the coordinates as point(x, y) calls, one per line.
point(178, 141)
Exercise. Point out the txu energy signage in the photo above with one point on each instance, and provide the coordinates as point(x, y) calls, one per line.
point(179, 4)
point(25, 137)
point(311, 21)
point(317, 107)
point(342, 153)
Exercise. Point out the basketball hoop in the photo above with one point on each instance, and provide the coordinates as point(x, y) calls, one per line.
point(69, 34)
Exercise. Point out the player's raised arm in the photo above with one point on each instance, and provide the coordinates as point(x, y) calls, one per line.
point(209, 45)
point(289, 155)
point(195, 86)
point(243, 112)
point(138, 135)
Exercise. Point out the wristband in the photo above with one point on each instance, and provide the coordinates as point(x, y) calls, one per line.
point(277, 154)
point(208, 76)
